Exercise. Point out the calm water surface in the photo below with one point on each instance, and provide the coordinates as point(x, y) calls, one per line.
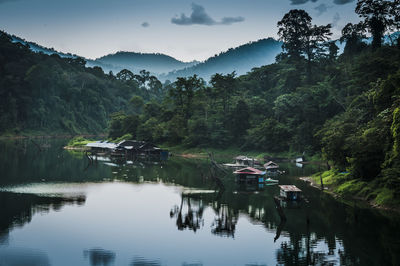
point(56, 209)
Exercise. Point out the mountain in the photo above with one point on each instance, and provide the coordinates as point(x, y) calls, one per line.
point(34, 47)
point(240, 59)
point(155, 63)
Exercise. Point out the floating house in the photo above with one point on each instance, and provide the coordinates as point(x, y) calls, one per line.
point(271, 166)
point(290, 192)
point(101, 146)
point(127, 148)
point(250, 174)
point(243, 161)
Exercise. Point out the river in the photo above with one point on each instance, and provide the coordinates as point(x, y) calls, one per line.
point(57, 209)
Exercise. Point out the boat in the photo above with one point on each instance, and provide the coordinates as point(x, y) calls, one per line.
point(271, 181)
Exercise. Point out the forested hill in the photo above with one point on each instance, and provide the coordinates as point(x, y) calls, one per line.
point(155, 63)
point(240, 59)
point(48, 94)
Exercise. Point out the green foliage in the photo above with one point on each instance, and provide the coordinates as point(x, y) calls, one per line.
point(78, 141)
point(59, 95)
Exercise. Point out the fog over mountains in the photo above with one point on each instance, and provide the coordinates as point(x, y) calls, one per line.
point(240, 59)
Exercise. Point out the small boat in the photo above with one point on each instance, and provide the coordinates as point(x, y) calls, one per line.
point(271, 181)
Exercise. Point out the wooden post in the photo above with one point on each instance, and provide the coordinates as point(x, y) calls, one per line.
point(279, 209)
point(37, 145)
point(322, 182)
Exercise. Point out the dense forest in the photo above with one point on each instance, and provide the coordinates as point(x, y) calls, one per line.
point(49, 94)
point(311, 100)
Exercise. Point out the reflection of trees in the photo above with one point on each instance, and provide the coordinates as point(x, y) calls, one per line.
point(225, 222)
point(139, 261)
point(18, 209)
point(99, 257)
point(189, 215)
point(299, 251)
point(23, 256)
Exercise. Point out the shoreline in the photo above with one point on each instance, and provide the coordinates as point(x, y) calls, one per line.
point(27, 136)
point(311, 182)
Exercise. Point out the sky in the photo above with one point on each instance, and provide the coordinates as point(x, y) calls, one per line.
point(185, 30)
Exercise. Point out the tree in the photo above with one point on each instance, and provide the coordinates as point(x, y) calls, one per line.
point(333, 50)
point(378, 17)
point(125, 75)
point(353, 34)
point(301, 38)
point(183, 92)
point(225, 86)
point(293, 31)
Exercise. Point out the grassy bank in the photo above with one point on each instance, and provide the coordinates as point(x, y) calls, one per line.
point(344, 185)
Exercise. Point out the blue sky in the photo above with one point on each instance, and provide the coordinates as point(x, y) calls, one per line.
point(186, 30)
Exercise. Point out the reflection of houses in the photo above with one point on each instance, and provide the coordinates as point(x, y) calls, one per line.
point(127, 147)
point(250, 174)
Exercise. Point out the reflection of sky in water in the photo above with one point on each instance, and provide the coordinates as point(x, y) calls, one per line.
point(124, 223)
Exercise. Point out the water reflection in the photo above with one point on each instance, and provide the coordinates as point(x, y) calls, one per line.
point(189, 215)
point(140, 261)
point(22, 257)
point(141, 194)
point(100, 257)
point(18, 209)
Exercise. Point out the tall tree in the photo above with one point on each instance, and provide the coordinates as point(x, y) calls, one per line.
point(183, 92)
point(352, 34)
point(225, 86)
point(378, 17)
point(294, 29)
point(301, 38)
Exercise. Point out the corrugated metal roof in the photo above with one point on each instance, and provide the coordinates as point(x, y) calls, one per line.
point(249, 171)
point(290, 188)
point(102, 144)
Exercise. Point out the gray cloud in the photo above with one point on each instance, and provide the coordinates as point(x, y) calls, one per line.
point(336, 19)
point(342, 2)
point(300, 2)
point(200, 17)
point(322, 8)
point(145, 24)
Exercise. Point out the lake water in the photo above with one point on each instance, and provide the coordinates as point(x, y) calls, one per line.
point(56, 209)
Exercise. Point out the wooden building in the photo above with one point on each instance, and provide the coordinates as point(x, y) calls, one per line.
point(290, 192)
point(127, 148)
point(250, 174)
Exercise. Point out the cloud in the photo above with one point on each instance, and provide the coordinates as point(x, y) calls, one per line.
point(145, 24)
point(322, 8)
point(300, 2)
point(200, 17)
point(342, 2)
point(230, 20)
point(336, 19)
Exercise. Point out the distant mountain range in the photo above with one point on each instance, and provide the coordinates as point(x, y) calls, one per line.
point(240, 59)
point(155, 63)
